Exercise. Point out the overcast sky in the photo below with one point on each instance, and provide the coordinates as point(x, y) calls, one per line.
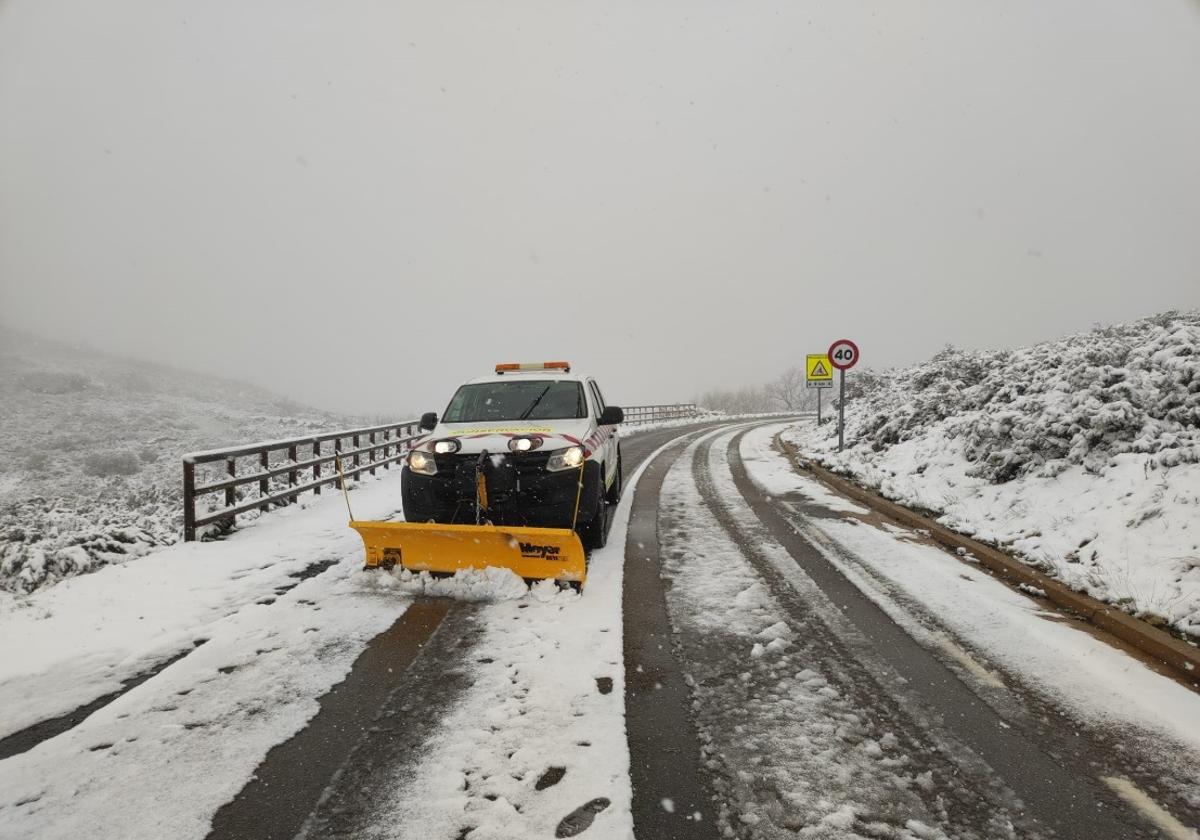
point(361, 203)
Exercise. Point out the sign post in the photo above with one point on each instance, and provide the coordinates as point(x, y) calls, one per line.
point(818, 373)
point(843, 355)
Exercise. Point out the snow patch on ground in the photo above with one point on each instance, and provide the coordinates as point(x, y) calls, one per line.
point(69, 644)
point(162, 758)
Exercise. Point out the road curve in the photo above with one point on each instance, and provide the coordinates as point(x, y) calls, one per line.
point(325, 780)
point(979, 761)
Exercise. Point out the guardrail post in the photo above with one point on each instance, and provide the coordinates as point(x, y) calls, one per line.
point(231, 492)
point(189, 501)
point(372, 453)
point(293, 476)
point(264, 486)
point(357, 461)
point(317, 466)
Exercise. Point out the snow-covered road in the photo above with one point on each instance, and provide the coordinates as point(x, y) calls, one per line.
point(269, 620)
point(838, 677)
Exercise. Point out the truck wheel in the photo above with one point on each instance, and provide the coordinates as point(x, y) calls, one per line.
point(614, 492)
point(595, 532)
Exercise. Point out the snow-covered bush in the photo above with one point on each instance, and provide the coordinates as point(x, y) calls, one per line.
point(91, 449)
point(1081, 456)
point(1080, 400)
point(106, 464)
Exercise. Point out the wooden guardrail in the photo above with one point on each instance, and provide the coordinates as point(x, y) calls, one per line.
point(273, 471)
point(652, 413)
point(276, 467)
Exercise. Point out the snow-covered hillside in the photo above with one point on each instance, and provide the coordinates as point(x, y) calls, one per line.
point(1082, 455)
point(90, 452)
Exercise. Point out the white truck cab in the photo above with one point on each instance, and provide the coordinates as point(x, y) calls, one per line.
point(533, 431)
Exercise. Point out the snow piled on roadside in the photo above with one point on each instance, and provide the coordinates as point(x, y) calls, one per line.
point(160, 760)
point(1081, 456)
point(66, 645)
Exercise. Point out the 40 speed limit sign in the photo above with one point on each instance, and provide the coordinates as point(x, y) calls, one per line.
point(843, 355)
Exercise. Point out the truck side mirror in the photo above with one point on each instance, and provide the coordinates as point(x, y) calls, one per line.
point(429, 421)
point(611, 416)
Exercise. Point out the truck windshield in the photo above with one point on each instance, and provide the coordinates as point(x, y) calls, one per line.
point(519, 399)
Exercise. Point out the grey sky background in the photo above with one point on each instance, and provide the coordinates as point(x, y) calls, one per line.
point(361, 203)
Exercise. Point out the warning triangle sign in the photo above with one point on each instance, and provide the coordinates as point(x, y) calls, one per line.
point(819, 370)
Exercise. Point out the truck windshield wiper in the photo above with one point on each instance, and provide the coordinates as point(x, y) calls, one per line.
point(525, 414)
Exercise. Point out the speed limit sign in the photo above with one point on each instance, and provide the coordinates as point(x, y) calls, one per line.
point(843, 354)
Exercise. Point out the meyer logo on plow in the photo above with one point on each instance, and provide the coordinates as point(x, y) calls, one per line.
point(546, 552)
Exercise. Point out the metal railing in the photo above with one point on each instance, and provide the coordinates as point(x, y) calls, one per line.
point(276, 468)
point(652, 413)
point(272, 471)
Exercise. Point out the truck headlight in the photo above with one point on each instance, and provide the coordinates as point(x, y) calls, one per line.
point(422, 462)
point(446, 446)
point(565, 459)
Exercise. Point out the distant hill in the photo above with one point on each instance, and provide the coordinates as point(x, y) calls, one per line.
point(91, 446)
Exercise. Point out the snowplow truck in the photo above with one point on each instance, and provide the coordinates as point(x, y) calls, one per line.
point(519, 472)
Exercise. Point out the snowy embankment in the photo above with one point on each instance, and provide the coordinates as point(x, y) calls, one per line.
point(1080, 456)
point(91, 449)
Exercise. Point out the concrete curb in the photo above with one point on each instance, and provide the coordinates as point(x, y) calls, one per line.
point(1174, 652)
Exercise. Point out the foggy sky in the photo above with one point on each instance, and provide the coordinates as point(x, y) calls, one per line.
point(361, 203)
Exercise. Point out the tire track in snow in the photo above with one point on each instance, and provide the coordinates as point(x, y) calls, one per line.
point(26, 739)
point(802, 733)
point(1055, 791)
point(161, 759)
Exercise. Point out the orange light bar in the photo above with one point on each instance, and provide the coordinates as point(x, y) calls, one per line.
point(565, 367)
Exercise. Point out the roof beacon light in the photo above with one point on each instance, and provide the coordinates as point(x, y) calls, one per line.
point(517, 367)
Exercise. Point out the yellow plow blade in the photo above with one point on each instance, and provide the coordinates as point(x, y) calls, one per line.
point(533, 553)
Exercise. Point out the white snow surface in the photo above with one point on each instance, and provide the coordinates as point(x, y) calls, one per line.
point(1001, 627)
point(1080, 456)
point(161, 759)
